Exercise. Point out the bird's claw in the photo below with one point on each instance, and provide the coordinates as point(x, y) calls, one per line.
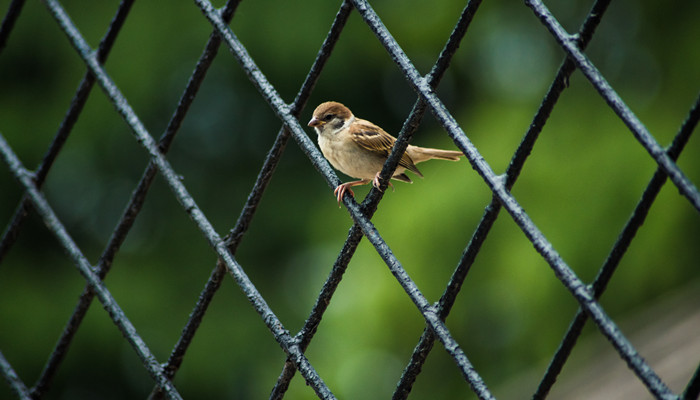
point(375, 183)
point(340, 191)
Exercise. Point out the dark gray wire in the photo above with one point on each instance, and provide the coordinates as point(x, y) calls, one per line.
point(497, 186)
point(492, 211)
point(26, 178)
point(619, 248)
point(434, 315)
point(235, 236)
point(570, 44)
point(16, 384)
point(369, 205)
point(187, 202)
point(281, 109)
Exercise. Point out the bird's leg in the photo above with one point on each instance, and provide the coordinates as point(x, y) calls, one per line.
point(375, 182)
point(339, 191)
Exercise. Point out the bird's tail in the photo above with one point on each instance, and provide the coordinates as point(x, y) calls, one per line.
point(421, 154)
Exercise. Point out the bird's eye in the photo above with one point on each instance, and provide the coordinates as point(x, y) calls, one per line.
point(328, 117)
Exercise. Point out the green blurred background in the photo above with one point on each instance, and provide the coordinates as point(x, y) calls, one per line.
point(580, 184)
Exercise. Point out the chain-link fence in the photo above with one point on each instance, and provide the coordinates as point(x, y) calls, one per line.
point(294, 342)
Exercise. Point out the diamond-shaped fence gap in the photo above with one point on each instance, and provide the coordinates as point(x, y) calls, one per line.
point(423, 40)
point(91, 19)
point(485, 300)
point(666, 215)
point(296, 247)
point(514, 64)
point(612, 373)
point(43, 77)
point(512, 68)
point(46, 282)
point(295, 50)
point(350, 338)
point(358, 68)
point(224, 342)
point(671, 90)
point(439, 190)
point(438, 367)
point(109, 357)
point(93, 176)
point(424, 37)
point(572, 210)
point(146, 75)
point(354, 373)
point(572, 13)
point(227, 147)
point(652, 327)
point(360, 277)
point(626, 61)
point(496, 134)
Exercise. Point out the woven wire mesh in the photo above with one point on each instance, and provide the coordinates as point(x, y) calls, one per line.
point(94, 265)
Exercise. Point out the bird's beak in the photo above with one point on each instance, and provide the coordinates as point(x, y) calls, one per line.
point(315, 122)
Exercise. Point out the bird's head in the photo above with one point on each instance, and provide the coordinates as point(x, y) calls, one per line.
point(330, 117)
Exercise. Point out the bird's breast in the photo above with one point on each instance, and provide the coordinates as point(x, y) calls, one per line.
point(349, 158)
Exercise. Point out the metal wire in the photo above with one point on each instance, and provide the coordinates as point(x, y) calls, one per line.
point(425, 343)
point(497, 185)
point(371, 202)
point(76, 107)
point(225, 248)
point(187, 202)
point(16, 384)
point(272, 97)
point(233, 239)
point(26, 178)
point(135, 204)
point(8, 22)
point(624, 240)
point(570, 44)
point(61, 348)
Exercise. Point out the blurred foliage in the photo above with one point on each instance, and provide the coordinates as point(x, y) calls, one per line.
point(580, 184)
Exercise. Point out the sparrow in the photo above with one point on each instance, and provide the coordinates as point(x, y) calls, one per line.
point(359, 148)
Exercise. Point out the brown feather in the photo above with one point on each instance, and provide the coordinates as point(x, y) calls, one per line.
point(373, 138)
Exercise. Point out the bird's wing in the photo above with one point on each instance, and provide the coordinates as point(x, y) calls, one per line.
point(373, 138)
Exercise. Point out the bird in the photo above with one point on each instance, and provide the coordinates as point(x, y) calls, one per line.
point(359, 148)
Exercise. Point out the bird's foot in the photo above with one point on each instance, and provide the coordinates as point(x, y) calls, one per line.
point(340, 191)
point(375, 183)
